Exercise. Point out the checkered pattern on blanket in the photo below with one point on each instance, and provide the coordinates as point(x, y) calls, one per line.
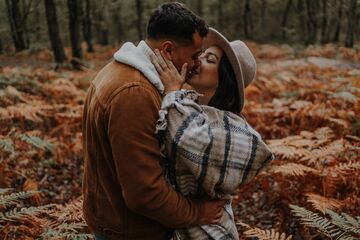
point(210, 153)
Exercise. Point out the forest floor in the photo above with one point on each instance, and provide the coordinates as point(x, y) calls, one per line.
point(305, 102)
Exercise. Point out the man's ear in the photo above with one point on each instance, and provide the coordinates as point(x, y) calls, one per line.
point(167, 48)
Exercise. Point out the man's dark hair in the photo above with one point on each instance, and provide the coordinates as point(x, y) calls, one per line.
point(226, 96)
point(174, 21)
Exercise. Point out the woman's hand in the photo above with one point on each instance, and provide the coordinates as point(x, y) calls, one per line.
point(187, 86)
point(169, 75)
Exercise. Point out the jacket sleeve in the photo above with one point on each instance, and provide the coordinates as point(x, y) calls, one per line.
point(132, 117)
point(219, 148)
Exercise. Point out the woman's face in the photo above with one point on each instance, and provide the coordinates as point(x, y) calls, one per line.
point(205, 80)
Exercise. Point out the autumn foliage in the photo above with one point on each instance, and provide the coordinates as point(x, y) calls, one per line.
point(304, 102)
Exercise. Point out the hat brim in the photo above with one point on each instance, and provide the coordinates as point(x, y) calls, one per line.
point(214, 38)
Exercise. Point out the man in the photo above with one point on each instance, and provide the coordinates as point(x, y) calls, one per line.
point(125, 192)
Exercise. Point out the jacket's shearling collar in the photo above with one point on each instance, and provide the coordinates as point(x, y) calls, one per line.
point(139, 57)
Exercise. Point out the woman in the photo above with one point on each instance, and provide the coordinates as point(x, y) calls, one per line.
point(211, 150)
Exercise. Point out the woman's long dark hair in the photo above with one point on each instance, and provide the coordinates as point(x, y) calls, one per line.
point(226, 97)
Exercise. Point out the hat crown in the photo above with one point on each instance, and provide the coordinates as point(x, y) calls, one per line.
point(240, 57)
point(246, 60)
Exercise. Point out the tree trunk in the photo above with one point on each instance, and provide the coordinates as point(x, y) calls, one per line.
point(247, 19)
point(53, 30)
point(139, 23)
point(324, 24)
point(212, 12)
point(357, 27)
point(200, 8)
point(351, 24)
point(263, 17)
point(37, 32)
point(25, 12)
point(302, 25)
point(285, 18)
point(338, 23)
point(101, 21)
point(74, 7)
point(119, 29)
point(87, 31)
point(103, 31)
point(16, 26)
point(220, 15)
point(311, 22)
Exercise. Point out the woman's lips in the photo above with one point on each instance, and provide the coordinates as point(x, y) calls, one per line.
point(192, 72)
point(195, 71)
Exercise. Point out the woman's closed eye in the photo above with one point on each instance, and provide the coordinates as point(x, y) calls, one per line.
point(211, 59)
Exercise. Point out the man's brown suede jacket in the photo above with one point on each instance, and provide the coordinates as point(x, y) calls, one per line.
point(125, 192)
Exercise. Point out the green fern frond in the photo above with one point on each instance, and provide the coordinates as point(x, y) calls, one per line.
point(345, 96)
point(6, 200)
point(67, 231)
point(72, 212)
point(347, 238)
point(70, 236)
point(345, 221)
point(5, 190)
point(15, 214)
point(72, 227)
point(7, 145)
point(312, 219)
point(37, 142)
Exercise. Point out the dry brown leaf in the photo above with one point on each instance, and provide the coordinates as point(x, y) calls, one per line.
point(293, 169)
point(32, 185)
point(322, 203)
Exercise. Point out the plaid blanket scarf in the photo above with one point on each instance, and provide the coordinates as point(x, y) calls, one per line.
point(210, 153)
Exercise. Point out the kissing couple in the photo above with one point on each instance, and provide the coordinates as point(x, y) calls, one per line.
point(165, 144)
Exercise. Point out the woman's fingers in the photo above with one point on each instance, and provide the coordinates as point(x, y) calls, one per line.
point(184, 71)
point(169, 63)
point(154, 61)
point(160, 59)
point(169, 75)
point(172, 67)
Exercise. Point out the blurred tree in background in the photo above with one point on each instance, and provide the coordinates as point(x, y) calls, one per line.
point(32, 24)
point(53, 29)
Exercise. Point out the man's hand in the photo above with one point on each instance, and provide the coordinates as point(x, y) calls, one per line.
point(212, 212)
point(169, 75)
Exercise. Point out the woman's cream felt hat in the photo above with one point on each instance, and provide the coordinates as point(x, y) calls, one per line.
point(240, 57)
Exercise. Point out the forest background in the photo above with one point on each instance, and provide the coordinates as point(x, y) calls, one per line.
point(304, 102)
